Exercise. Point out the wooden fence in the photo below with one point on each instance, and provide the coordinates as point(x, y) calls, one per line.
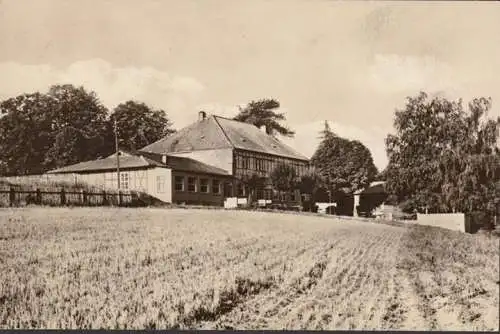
point(20, 197)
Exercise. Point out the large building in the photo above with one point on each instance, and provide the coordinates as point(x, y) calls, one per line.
point(241, 149)
point(203, 163)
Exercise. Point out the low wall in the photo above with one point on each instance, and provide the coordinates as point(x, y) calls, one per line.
point(451, 221)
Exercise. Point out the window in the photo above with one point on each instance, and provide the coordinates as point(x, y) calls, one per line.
point(124, 180)
point(160, 184)
point(192, 184)
point(204, 185)
point(245, 162)
point(216, 186)
point(260, 164)
point(179, 183)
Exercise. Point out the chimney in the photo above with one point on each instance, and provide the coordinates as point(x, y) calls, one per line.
point(164, 159)
point(202, 115)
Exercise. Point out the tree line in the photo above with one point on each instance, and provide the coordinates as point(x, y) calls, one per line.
point(69, 124)
point(443, 157)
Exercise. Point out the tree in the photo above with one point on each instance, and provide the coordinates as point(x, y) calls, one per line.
point(25, 133)
point(139, 125)
point(39, 132)
point(253, 182)
point(284, 178)
point(344, 165)
point(261, 113)
point(79, 127)
point(311, 184)
point(443, 157)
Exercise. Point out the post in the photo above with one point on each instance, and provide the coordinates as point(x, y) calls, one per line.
point(117, 155)
point(120, 198)
point(63, 196)
point(12, 196)
point(38, 196)
point(84, 197)
point(356, 204)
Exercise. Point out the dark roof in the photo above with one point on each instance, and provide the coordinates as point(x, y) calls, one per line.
point(217, 132)
point(377, 187)
point(127, 161)
point(185, 164)
point(141, 160)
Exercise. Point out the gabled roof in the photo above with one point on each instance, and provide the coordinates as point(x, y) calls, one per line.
point(217, 132)
point(140, 160)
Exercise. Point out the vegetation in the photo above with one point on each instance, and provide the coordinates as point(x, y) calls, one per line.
point(139, 125)
point(66, 125)
point(443, 157)
point(284, 178)
point(183, 269)
point(344, 165)
point(261, 113)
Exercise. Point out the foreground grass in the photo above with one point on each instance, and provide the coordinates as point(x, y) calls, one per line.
point(154, 268)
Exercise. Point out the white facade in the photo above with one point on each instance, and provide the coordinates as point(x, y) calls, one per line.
point(156, 181)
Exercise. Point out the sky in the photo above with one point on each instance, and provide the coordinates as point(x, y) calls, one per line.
point(350, 63)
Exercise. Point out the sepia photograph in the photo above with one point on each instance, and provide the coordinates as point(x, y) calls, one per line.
point(250, 165)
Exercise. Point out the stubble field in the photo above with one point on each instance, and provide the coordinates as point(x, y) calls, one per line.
point(211, 269)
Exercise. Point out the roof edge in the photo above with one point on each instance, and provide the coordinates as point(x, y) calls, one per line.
point(222, 129)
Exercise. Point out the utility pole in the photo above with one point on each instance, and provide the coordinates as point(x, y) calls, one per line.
point(117, 154)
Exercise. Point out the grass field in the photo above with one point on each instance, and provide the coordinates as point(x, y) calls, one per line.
point(211, 269)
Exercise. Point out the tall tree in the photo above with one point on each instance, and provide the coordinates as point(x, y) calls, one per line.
point(78, 121)
point(444, 157)
point(139, 125)
point(262, 113)
point(345, 165)
point(25, 133)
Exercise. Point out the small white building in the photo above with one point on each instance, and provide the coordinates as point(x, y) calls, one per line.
point(170, 179)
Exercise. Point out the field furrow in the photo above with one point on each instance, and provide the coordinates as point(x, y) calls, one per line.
point(208, 269)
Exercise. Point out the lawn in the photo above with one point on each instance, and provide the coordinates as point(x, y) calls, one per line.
point(215, 269)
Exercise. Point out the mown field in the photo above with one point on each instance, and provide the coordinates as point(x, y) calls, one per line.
point(211, 269)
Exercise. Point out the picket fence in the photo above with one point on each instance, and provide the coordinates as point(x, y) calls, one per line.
point(21, 197)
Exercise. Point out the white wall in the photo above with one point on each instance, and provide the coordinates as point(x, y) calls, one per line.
point(164, 194)
point(451, 221)
point(222, 158)
point(144, 180)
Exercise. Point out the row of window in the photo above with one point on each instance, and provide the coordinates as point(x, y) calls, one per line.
point(266, 164)
point(195, 184)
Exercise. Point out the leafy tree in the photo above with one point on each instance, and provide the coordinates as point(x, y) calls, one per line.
point(78, 122)
point(344, 165)
point(253, 182)
point(262, 113)
point(25, 133)
point(313, 185)
point(139, 125)
point(310, 183)
point(284, 178)
point(443, 157)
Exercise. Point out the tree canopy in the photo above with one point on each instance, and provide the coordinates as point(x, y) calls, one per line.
point(67, 125)
point(262, 113)
point(139, 125)
point(344, 165)
point(444, 157)
point(284, 177)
